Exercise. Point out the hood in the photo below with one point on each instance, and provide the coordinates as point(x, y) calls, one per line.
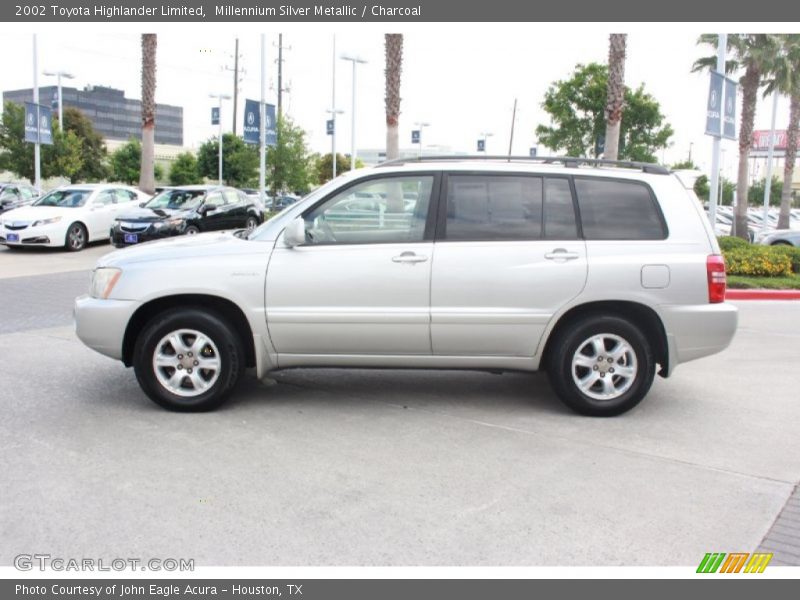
point(185, 246)
point(150, 215)
point(36, 213)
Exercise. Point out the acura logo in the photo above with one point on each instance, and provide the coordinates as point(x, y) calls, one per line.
point(251, 118)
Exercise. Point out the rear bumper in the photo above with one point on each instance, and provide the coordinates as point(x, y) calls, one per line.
point(696, 331)
point(101, 324)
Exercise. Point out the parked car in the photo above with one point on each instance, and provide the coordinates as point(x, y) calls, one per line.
point(14, 195)
point(282, 201)
point(602, 276)
point(70, 216)
point(186, 210)
point(781, 237)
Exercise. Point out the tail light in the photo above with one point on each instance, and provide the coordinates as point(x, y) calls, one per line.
point(715, 268)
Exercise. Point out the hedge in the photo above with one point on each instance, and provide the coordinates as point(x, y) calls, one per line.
point(759, 261)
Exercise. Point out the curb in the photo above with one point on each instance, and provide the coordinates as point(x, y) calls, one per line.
point(733, 294)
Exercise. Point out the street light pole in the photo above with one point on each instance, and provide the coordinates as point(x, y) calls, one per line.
point(355, 60)
point(59, 75)
point(262, 127)
point(220, 97)
point(422, 125)
point(770, 155)
point(37, 174)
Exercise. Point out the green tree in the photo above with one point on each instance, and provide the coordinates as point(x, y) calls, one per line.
point(62, 158)
point(701, 187)
point(184, 170)
point(577, 111)
point(755, 193)
point(148, 174)
point(684, 165)
point(754, 54)
point(323, 169)
point(126, 162)
point(239, 160)
point(393, 46)
point(287, 162)
point(94, 154)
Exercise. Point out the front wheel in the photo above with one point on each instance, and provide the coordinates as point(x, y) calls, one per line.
point(192, 230)
point(188, 360)
point(76, 237)
point(601, 366)
point(250, 224)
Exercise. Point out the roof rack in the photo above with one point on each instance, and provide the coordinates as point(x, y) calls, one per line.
point(567, 161)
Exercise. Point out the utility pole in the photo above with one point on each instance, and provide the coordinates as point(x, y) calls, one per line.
point(281, 89)
point(513, 121)
point(236, 82)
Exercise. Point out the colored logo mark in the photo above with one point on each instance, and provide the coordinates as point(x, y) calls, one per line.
point(735, 562)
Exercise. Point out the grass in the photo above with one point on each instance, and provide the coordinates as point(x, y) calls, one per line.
point(744, 282)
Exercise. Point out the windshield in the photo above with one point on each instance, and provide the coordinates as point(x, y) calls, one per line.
point(64, 198)
point(177, 199)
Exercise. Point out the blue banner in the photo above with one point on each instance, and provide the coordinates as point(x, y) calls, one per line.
point(215, 115)
point(481, 145)
point(38, 123)
point(330, 124)
point(729, 128)
point(415, 136)
point(252, 121)
point(714, 105)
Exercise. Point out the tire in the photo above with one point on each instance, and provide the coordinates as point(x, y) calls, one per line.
point(76, 237)
point(172, 334)
point(250, 224)
point(605, 391)
point(781, 243)
point(192, 230)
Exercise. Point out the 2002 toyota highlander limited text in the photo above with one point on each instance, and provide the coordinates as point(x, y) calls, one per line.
point(600, 273)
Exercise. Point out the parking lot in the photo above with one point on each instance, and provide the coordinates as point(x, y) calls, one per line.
point(373, 467)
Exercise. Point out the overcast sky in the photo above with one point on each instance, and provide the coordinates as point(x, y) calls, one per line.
point(461, 78)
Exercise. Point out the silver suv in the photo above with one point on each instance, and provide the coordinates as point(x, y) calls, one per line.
point(600, 273)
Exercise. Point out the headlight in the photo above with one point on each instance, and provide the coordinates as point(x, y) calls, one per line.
point(103, 281)
point(46, 221)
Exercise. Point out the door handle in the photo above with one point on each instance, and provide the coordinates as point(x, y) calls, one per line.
point(561, 254)
point(409, 257)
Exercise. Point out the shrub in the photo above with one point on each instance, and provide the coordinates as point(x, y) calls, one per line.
point(793, 254)
point(728, 242)
point(759, 261)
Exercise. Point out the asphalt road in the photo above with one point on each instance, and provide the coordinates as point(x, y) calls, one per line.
point(355, 467)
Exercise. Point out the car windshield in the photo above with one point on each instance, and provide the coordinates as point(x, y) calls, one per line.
point(64, 198)
point(177, 199)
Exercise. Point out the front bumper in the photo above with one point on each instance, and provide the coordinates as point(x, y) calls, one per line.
point(101, 324)
point(44, 235)
point(695, 331)
point(118, 237)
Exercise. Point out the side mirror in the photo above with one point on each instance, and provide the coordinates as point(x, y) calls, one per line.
point(141, 204)
point(295, 233)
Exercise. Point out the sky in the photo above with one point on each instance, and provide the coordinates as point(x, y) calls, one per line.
point(461, 78)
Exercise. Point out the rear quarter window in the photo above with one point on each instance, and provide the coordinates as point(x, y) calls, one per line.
point(618, 210)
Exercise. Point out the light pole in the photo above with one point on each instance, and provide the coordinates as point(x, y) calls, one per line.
point(37, 172)
point(360, 61)
point(333, 112)
point(421, 125)
point(485, 135)
point(58, 75)
point(220, 97)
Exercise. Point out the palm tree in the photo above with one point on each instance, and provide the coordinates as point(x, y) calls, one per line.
point(147, 170)
point(394, 65)
point(755, 53)
point(785, 79)
point(615, 92)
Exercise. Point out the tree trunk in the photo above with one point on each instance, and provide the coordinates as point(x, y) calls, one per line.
point(750, 82)
point(147, 168)
point(792, 134)
point(394, 66)
point(615, 100)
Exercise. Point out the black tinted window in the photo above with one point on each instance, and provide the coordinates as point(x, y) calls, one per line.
point(618, 210)
point(559, 212)
point(493, 207)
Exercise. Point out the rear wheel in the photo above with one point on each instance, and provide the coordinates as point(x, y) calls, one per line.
point(76, 237)
point(601, 365)
point(192, 230)
point(250, 224)
point(188, 360)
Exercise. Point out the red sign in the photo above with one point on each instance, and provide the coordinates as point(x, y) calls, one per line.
point(761, 139)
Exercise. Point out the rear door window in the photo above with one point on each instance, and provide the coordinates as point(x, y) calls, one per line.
point(618, 210)
point(493, 207)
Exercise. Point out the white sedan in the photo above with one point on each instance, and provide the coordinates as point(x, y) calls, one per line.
point(70, 216)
